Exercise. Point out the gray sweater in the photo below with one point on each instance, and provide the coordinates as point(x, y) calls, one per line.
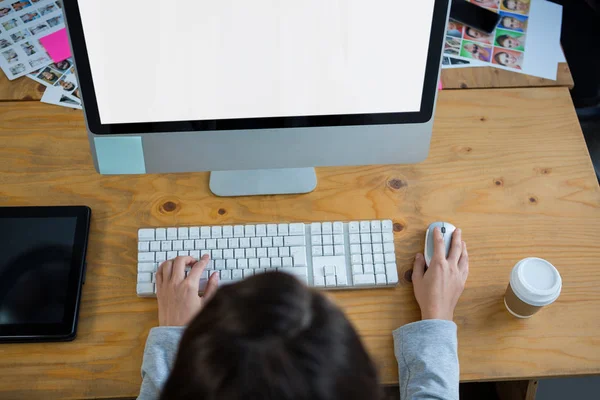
point(426, 352)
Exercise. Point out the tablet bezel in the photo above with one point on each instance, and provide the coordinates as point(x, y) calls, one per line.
point(67, 328)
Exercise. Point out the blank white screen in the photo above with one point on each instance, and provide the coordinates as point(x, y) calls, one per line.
point(180, 60)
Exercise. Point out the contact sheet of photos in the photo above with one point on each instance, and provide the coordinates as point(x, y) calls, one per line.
point(59, 78)
point(505, 47)
point(22, 24)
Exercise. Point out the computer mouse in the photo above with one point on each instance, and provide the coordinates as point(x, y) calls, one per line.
point(447, 231)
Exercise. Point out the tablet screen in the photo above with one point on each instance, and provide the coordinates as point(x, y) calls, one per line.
point(35, 262)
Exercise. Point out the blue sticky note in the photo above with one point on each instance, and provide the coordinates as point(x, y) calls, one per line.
point(120, 155)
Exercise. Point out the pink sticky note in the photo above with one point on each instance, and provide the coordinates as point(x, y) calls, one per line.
point(57, 45)
point(440, 86)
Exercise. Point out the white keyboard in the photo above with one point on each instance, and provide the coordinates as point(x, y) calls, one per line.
point(329, 255)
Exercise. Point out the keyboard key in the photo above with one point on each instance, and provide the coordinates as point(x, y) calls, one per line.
point(365, 227)
point(388, 247)
point(315, 228)
point(239, 253)
point(387, 237)
point(237, 275)
point(271, 230)
point(248, 273)
point(228, 254)
point(200, 244)
point(299, 256)
point(231, 264)
point(317, 251)
point(378, 258)
point(283, 229)
point(261, 252)
point(364, 280)
point(145, 235)
point(278, 241)
point(261, 230)
point(145, 289)
point(376, 237)
point(160, 234)
point(144, 247)
point(338, 228)
point(195, 232)
point(316, 240)
point(357, 269)
point(338, 239)
point(171, 255)
point(154, 246)
point(296, 229)
point(354, 238)
point(255, 242)
point(205, 232)
point(338, 250)
point(356, 259)
point(211, 244)
point(227, 231)
point(366, 248)
point(234, 243)
point(287, 261)
point(377, 248)
point(244, 243)
point(375, 226)
point(250, 231)
point(171, 233)
point(327, 250)
point(259, 271)
point(319, 281)
point(222, 243)
point(276, 262)
point(217, 255)
point(195, 254)
point(290, 241)
point(379, 268)
point(272, 252)
point(368, 269)
point(225, 275)
point(391, 272)
point(389, 258)
point(319, 264)
point(367, 258)
point(177, 245)
point(330, 281)
point(183, 253)
point(146, 267)
point(365, 238)
point(145, 257)
point(387, 226)
point(267, 242)
point(251, 253)
point(353, 227)
point(253, 263)
point(381, 279)
point(183, 233)
point(329, 270)
point(284, 251)
point(355, 249)
point(327, 228)
point(342, 278)
point(188, 245)
point(327, 240)
point(220, 264)
point(265, 262)
point(216, 232)
point(205, 252)
point(238, 231)
point(160, 256)
point(242, 263)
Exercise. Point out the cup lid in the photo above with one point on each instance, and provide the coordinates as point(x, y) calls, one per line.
point(536, 281)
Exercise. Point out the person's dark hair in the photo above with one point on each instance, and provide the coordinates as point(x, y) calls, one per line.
point(502, 38)
point(505, 3)
point(497, 57)
point(270, 337)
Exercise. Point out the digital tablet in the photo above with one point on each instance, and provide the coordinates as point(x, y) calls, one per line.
point(42, 270)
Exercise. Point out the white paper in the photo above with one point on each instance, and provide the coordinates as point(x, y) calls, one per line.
point(453, 63)
point(54, 95)
point(22, 24)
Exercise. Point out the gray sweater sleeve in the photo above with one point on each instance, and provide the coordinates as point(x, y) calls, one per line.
point(159, 356)
point(427, 357)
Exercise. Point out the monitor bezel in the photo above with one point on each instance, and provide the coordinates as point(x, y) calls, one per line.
point(88, 93)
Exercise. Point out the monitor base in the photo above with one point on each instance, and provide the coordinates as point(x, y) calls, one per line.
point(263, 182)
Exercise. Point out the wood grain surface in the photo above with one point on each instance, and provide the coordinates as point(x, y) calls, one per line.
point(510, 167)
point(460, 78)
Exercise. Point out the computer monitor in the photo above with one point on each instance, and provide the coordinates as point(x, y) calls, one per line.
point(261, 91)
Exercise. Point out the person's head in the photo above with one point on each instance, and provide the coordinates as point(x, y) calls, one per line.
point(506, 59)
point(50, 76)
point(474, 33)
point(515, 5)
point(270, 337)
point(508, 41)
point(472, 48)
point(63, 65)
point(67, 85)
point(452, 26)
point(511, 23)
point(4, 11)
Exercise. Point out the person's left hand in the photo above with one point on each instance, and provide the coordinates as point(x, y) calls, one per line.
point(178, 298)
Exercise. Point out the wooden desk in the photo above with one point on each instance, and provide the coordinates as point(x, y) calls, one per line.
point(485, 77)
point(509, 166)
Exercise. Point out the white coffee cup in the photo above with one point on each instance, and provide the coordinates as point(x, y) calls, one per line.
point(534, 283)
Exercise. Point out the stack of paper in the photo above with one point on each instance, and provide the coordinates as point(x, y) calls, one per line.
point(527, 39)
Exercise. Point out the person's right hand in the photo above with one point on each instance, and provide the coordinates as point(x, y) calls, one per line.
point(438, 288)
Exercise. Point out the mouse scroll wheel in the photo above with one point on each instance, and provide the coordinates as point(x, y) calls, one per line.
point(443, 229)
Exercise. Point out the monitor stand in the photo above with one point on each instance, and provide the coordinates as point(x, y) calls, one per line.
point(263, 181)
